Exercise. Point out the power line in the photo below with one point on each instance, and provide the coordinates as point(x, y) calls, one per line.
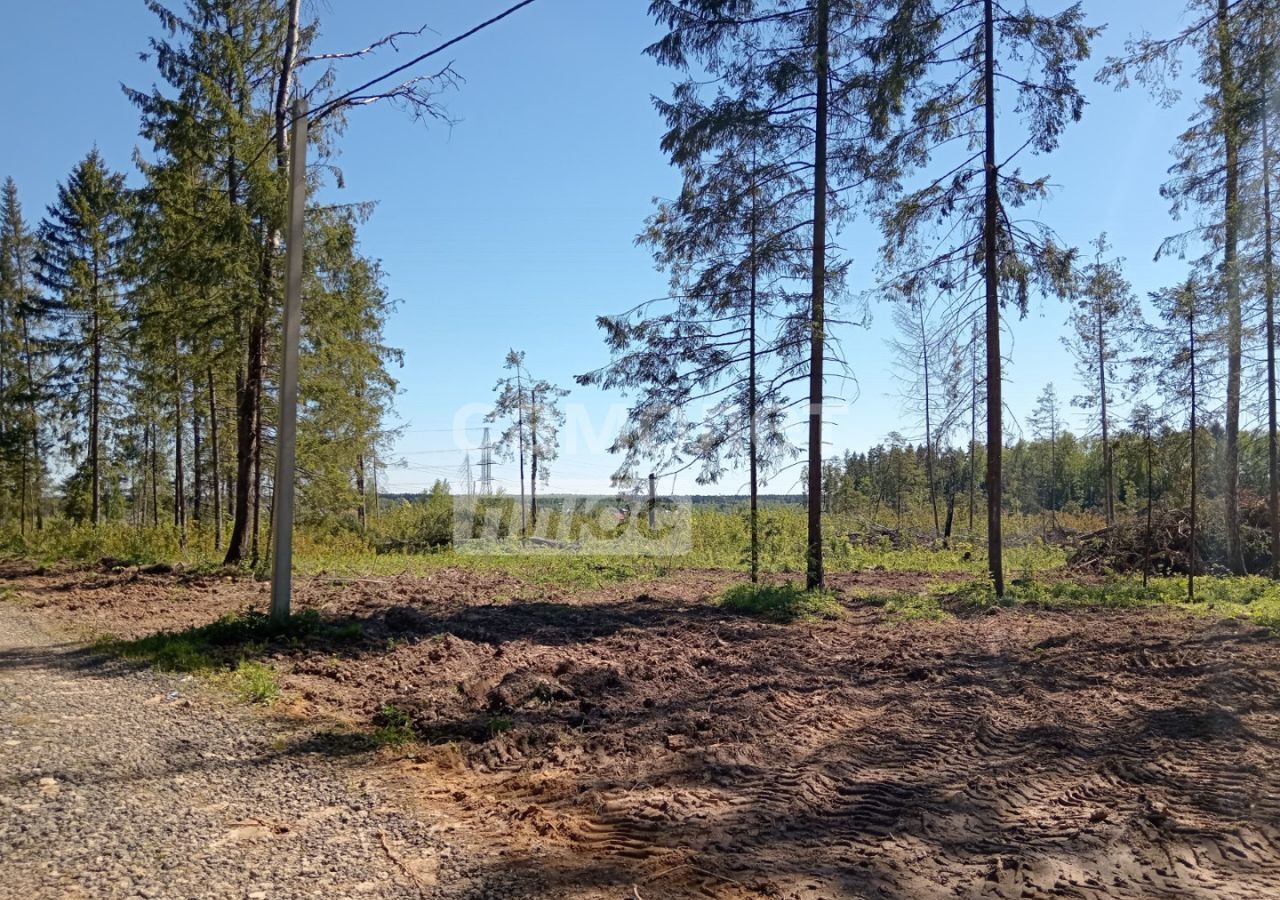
point(336, 102)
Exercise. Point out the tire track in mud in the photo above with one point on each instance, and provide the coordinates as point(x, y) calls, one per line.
point(615, 743)
point(1110, 766)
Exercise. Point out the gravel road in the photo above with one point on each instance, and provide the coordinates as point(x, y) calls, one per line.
point(119, 782)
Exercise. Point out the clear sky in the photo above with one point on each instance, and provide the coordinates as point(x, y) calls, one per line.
point(515, 227)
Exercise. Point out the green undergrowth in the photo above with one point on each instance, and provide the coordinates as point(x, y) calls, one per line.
point(228, 650)
point(1252, 598)
point(718, 539)
point(780, 602)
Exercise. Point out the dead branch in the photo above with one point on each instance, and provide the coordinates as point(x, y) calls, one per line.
point(390, 39)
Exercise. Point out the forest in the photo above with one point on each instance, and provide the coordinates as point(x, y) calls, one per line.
point(1005, 652)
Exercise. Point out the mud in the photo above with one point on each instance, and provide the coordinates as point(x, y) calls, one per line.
point(636, 741)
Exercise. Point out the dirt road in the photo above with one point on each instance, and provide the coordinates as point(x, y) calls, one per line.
point(121, 783)
point(636, 741)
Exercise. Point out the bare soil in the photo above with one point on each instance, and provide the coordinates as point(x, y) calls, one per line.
point(635, 740)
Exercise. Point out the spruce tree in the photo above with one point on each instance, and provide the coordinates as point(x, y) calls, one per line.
point(22, 311)
point(82, 262)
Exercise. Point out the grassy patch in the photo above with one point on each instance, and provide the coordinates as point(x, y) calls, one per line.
point(499, 725)
point(228, 649)
point(1254, 598)
point(392, 727)
point(253, 682)
point(780, 602)
point(910, 607)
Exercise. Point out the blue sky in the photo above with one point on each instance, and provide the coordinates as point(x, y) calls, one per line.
point(515, 226)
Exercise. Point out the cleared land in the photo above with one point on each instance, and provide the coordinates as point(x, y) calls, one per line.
point(633, 739)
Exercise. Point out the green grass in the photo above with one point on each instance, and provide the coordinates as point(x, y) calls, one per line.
point(393, 727)
point(718, 540)
point(225, 649)
point(253, 682)
point(1253, 598)
point(780, 603)
point(499, 725)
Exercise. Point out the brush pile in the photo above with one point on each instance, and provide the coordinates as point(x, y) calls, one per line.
point(1129, 546)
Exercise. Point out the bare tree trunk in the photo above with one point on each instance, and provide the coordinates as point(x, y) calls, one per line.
point(1231, 231)
point(142, 489)
point(95, 409)
point(753, 402)
point(1108, 503)
point(520, 436)
point(246, 446)
point(179, 476)
point(197, 476)
point(155, 478)
point(973, 432)
point(215, 478)
point(257, 478)
point(361, 510)
point(533, 457)
point(928, 422)
point(814, 577)
point(1146, 562)
point(1191, 553)
point(995, 430)
point(1269, 292)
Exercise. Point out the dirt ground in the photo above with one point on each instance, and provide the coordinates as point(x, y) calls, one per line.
point(634, 740)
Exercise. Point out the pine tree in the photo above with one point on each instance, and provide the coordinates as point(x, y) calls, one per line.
point(82, 261)
point(1185, 310)
point(1105, 315)
point(923, 351)
point(935, 102)
point(1206, 178)
point(530, 406)
point(792, 70)
point(711, 370)
point(1046, 421)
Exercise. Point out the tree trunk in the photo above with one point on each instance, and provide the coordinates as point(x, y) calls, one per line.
point(753, 434)
point(928, 423)
point(1146, 562)
point(520, 437)
point(95, 423)
point(1191, 553)
point(246, 445)
point(1230, 248)
point(814, 578)
point(197, 476)
point(361, 510)
point(973, 432)
point(155, 478)
point(254, 555)
point(179, 476)
point(533, 458)
point(215, 464)
point(995, 431)
point(31, 473)
point(1269, 292)
point(1108, 503)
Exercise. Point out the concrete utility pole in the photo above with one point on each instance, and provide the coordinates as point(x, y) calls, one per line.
point(287, 430)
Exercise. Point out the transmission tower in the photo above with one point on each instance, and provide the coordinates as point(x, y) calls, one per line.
point(486, 466)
